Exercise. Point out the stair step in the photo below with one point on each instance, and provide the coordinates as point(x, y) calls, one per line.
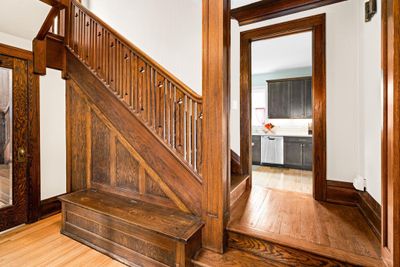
point(232, 257)
point(294, 254)
point(131, 231)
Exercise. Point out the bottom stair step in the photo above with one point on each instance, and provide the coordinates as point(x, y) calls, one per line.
point(134, 232)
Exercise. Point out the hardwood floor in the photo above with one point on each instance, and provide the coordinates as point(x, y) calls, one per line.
point(283, 179)
point(5, 186)
point(297, 220)
point(41, 244)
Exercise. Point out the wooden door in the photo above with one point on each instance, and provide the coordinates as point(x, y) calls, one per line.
point(308, 92)
point(14, 146)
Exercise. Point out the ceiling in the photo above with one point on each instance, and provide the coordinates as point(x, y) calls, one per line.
point(288, 52)
point(238, 3)
point(22, 18)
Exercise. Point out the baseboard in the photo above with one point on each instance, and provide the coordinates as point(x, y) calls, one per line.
point(344, 193)
point(371, 211)
point(49, 207)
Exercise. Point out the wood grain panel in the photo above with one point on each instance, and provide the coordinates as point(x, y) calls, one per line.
point(100, 151)
point(127, 169)
point(76, 123)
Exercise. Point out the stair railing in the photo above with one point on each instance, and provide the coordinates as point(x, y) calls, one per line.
point(169, 108)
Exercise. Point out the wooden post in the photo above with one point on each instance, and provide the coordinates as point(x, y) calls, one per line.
point(216, 97)
point(391, 132)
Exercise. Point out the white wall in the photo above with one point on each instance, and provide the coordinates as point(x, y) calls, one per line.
point(235, 87)
point(52, 135)
point(370, 101)
point(168, 31)
point(342, 84)
point(52, 125)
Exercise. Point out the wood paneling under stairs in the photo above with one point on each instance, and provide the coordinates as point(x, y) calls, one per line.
point(41, 245)
point(295, 220)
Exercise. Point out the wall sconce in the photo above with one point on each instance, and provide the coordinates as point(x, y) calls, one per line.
point(370, 10)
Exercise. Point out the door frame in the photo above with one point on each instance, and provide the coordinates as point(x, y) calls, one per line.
point(316, 25)
point(32, 185)
point(390, 213)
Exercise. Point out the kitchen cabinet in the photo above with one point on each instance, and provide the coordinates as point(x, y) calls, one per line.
point(256, 149)
point(290, 98)
point(298, 152)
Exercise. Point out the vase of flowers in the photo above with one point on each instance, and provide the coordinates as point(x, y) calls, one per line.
point(269, 126)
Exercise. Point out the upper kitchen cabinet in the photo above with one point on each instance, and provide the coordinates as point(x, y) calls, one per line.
point(290, 98)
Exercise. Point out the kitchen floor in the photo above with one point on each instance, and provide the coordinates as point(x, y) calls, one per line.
point(283, 179)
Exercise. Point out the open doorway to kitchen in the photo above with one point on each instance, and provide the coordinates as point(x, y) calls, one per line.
point(281, 112)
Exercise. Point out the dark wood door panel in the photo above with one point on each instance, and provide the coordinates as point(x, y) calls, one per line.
point(15, 212)
point(256, 139)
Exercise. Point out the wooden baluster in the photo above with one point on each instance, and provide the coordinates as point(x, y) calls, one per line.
point(111, 48)
point(188, 130)
point(153, 90)
point(148, 93)
point(172, 116)
point(167, 121)
point(135, 75)
point(199, 133)
point(193, 133)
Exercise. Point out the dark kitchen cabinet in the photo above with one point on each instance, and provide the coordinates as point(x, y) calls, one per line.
point(290, 98)
point(278, 96)
point(298, 152)
point(256, 140)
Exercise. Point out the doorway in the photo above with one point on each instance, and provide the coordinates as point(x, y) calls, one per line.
point(282, 112)
point(19, 166)
point(305, 156)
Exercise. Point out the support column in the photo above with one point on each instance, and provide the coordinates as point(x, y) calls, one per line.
point(216, 101)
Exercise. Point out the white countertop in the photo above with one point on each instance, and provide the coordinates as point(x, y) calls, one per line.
point(283, 133)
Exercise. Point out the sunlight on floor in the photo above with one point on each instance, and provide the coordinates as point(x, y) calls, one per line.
point(283, 179)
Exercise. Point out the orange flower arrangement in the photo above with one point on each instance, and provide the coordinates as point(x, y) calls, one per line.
point(269, 126)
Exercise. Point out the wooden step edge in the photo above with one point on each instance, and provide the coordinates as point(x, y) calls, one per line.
point(231, 257)
point(239, 189)
point(308, 247)
point(197, 224)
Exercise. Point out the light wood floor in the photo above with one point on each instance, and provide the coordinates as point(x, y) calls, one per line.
point(41, 244)
point(297, 220)
point(283, 179)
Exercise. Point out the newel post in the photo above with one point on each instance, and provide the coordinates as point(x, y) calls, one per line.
point(216, 99)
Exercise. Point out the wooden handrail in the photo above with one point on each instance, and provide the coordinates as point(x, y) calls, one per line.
point(178, 82)
point(48, 23)
point(168, 107)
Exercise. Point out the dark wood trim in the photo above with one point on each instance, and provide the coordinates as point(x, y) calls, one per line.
point(15, 52)
point(269, 9)
point(371, 210)
point(342, 193)
point(391, 132)
point(216, 109)
point(49, 207)
point(316, 24)
point(34, 145)
point(235, 163)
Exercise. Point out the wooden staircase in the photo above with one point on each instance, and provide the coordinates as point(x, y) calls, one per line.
point(134, 143)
